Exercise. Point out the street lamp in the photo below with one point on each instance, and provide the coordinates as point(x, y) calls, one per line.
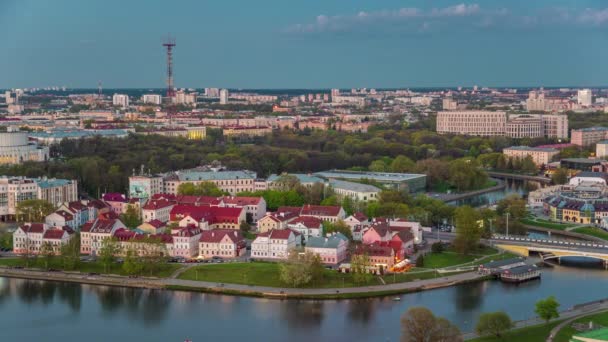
point(507, 224)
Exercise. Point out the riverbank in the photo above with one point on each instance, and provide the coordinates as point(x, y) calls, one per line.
point(246, 290)
point(461, 196)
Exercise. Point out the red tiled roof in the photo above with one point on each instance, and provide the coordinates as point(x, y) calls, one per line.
point(114, 197)
point(375, 249)
point(156, 223)
point(320, 210)
point(77, 206)
point(100, 226)
point(212, 215)
point(33, 227)
point(124, 234)
point(157, 204)
point(168, 197)
point(98, 204)
point(241, 200)
point(280, 234)
point(216, 235)
point(308, 221)
point(360, 216)
point(53, 234)
point(67, 216)
point(188, 232)
point(289, 210)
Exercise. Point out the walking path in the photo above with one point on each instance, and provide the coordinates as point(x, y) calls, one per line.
point(569, 315)
point(146, 282)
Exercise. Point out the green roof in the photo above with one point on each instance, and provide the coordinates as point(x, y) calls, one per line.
point(594, 335)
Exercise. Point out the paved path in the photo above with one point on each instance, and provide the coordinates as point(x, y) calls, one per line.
point(147, 282)
point(569, 315)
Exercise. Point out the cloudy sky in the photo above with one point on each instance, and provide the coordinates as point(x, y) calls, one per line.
point(305, 43)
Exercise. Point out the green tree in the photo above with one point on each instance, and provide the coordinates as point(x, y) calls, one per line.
point(294, 270)
point(131, 217)
point(359, 265)
point(547, 308)
point(348, 205)
point(6, 240)
point(331, 200)
point(420, 261)
point(70, 253)
point(109, 249)
point(337, 227)
point(466, 175)
point(528, 166)
point(378, 166)
point(48, 253)
point(402, 164)
point(515, 207)
point(200, 189)
point(286, 182)
point(437, 247)
point(468, 230)
point(493, 323)
point(245, 227)
point(560, 176)
point(419, 324)
point(132, 264)
point(33, 210)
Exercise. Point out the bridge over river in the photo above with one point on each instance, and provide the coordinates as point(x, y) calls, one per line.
point(552, 249)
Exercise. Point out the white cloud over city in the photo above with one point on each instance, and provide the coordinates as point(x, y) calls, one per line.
point(458, 16)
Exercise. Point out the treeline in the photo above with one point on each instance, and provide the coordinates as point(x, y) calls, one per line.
point(104, 164)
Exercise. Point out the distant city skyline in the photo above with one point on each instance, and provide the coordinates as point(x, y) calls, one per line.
point(315, 44)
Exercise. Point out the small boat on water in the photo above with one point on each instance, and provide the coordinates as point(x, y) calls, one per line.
point(396, 299)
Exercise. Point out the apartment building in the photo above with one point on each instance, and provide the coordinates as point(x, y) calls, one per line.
point(540, 156)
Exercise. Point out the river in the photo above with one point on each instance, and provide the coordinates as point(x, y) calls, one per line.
point(513, 186)
point(40, 310)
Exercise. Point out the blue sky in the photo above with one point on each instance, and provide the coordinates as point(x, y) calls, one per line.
point(305, 43)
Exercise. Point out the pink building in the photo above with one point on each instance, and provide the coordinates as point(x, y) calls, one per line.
point(116, 201)
point(331, 249)
point(93, 233)
point(185, 242)
point(224, 243)
point(157, 210)
point(324, 213)
point(29, 238)
point(588, 136)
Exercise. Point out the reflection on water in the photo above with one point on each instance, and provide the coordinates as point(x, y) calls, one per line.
point(101, 313)
point(513, 186)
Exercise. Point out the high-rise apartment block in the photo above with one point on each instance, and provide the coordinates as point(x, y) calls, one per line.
point(224, 96)
point(154, 99)
point(584, 97)
point(120, 100)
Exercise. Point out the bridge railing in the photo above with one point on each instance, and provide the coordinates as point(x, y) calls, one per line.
point(525, 239)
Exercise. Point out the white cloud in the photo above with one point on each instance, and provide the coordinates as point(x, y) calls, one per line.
point(459, 16)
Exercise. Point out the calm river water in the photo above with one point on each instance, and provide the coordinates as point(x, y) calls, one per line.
point(52, 311)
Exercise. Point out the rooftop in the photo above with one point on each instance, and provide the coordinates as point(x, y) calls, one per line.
point(377, 176)
point(535, 149)
point(352, 186)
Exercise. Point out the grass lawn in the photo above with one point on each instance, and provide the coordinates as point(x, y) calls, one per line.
point(264, 274)
point(566, 332)
point(529, 334)
point(545, 223)
point(593, 231)
point(449, 257)
point(164, 271)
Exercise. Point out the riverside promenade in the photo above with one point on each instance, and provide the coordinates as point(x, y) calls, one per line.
point(237, 289)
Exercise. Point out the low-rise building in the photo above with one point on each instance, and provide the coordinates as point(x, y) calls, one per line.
point(185, 242)
point(157, 209)
point(307, 226)
point(153, 227)
point(224, 243)
point(274, 244)
point(324, 212)
point(93, 233)
point(540, 156)
point(61, 218)
point(331, 249)
point(355, 191)
point(29, 238)
point(588, 136)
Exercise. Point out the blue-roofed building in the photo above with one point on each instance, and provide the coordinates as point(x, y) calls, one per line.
point(330, 248)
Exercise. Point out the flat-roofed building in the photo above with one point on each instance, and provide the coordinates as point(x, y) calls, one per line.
point(588, 136)
point(540, 156)
point(411, 181)
point(472, 122)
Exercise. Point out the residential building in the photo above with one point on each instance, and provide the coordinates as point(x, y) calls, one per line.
point(185, 242)
point(588, 136)
point(355, 191)
point(232, 182)
point(15, 148)
point(381, 257)
point(540, 156)
point(120, 100)
point(224, 243)
point(154, 99)
point(524, 126)
point(478, 123)
point(116, 201)
point(278, 220)
point(143, 186)
point(157, 209)
point(153, 227)
point(208, 217)
point(224, 96)
point(255, 207)
point(589, 177)
point(79, 211)
point(16, 189)
point(356, 219)
point(585, 97)
point(450, 104)
point(324, 213)
point(29, 238)
point(246, 131)
point(93, 233)
point(61, 218)
point(274, 244)
point(307, 226)
point(601, 149)
point(331, 248)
